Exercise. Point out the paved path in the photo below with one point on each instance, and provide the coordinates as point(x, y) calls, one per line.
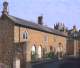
point(48, 65)
point(70, 63)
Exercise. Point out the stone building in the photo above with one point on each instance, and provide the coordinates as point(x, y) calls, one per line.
point(21, 40)
point(73, 42)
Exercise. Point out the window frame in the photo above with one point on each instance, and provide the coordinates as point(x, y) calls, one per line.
point(25, 35)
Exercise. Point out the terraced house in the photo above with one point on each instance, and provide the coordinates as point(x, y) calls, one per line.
point(22, 40)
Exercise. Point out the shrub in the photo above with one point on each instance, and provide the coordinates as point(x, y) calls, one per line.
point(50, 55)
point(33, 57)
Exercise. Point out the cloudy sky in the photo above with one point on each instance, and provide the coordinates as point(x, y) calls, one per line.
point(67, 11)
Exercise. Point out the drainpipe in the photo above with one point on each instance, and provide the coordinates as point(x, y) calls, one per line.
point(75, 47)
point(19, 35)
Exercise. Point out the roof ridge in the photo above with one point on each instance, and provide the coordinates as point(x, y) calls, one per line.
point(32, 25)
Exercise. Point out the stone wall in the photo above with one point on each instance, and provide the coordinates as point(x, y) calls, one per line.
point(6, 41)
point(70, 46)
point(37, 38)
point(11, 34)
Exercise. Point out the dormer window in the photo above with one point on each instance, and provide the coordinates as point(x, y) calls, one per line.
point(25, 35)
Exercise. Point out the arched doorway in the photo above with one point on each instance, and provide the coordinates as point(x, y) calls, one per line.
point(33, 52)
point(16, 63)
point(33, 49)
point(39, 52)
point(60, 51)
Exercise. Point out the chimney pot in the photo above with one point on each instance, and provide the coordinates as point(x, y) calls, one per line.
point(40, 20)
point(5, 7)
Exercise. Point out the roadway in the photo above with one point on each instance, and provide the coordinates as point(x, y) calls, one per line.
point(65, 63)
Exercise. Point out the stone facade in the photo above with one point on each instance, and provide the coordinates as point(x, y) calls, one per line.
point(21, 40)
point(13, 44)
point(6, 41)
point(37, 38)
point(73, 41)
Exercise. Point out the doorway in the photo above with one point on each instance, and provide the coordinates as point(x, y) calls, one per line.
point(16, 63)
point(39, 52)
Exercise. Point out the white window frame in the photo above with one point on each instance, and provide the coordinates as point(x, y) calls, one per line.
point(26, 35)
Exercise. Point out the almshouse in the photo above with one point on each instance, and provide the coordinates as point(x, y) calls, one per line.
point(23, 41)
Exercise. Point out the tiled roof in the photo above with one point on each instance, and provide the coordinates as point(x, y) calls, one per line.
point(33, 25)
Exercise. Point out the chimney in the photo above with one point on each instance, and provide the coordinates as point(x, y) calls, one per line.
point(40, 20)
point(5, 8)
point(74, 28)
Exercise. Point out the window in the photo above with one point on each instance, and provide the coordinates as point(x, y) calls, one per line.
point(25, 35)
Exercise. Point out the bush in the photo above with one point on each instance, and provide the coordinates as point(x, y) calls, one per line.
point(33, 57)
point(50, 55)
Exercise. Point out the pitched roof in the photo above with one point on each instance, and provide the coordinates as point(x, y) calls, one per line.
point(74, 35)
point(33, 25)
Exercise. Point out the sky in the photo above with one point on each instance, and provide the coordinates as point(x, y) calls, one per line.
point(53, 11)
